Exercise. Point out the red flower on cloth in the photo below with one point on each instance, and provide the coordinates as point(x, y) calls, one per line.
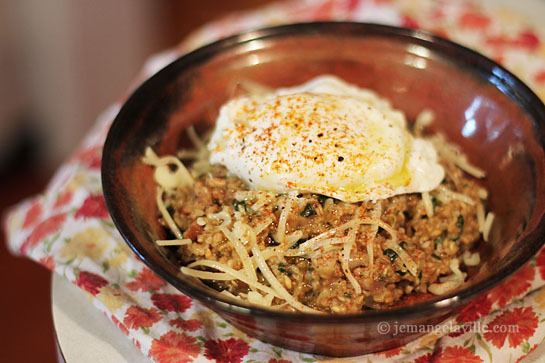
point(324, 11)
point(529, 352)
point(409, 22)
point(137, 317)
point(515, 325)
point(174, 347)
point(474, 20)
point(137, 343)
point(146, 281)
point(539, 77)
point(526, 39)
point(474, 310)
point(91, 282)
point(461, 329)
point(226, 351)
point(423, 358)
point(63, 199)
point(392, 352)
point(455, 354)
point(48, 262)
point(34, 212)
point(189, 325)
point(515, 286)
point(540, 261)
point(91, 157)
point(93, 207)
point(120, 325)
point(274, 360)
point(171, 302)
point(45, 228)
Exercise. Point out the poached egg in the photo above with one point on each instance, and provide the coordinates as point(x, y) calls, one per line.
point(324, 136)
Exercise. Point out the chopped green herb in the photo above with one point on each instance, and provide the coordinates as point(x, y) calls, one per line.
point(460, 222)
point(436, 202)
point(308, 211)
point(440, 239)
point(237, 204)
point(284, 271)
point(392, 255)
point(420, 275)
point(170, 210)
point(278, 351)
point(402, 273)
point(435, 256)
point(275, 209)
point(460, 225)
point(381, 277)
point(322, 199)
point(403, 244)
point(298, 243)
point(348, 295)
point(444, 181)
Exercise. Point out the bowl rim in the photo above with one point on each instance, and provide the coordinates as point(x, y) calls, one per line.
point(510, 85)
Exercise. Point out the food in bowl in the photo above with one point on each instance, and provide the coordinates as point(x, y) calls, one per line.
point(318, 198)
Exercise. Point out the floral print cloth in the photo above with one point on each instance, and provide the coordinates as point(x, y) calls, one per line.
point(67, 228)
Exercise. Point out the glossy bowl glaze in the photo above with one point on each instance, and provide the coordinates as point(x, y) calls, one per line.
point(479, 105)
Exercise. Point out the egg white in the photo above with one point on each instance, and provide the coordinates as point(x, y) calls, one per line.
point(326, 137)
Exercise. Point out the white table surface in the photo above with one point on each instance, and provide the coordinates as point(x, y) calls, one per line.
point(84, 334)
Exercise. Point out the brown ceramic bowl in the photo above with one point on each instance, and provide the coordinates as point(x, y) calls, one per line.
point(479, 105)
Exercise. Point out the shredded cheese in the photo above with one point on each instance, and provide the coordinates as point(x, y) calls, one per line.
point(281, 230)
point(370, 238)
point(347, 248)
point(275, 284)
point(423, 120)
point(166, 215)
point(237, 237)
point(450, 282)
point(195, 139)
point(471, 259)
point(227, 273)
point(445, 195)
point(488, 225)
point(222, 216)
point(173, 242)
point(454, 155)
point(480, 217)
point(428, 205)
point(163, 175)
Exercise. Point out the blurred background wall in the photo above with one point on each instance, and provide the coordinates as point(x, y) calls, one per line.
point(64, 61)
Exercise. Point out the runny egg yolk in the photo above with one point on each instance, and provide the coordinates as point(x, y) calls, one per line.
point(325, 137)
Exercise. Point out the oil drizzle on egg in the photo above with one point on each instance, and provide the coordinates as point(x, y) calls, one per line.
point(325, 137)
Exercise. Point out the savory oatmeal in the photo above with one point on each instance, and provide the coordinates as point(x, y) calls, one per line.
point(322, 248)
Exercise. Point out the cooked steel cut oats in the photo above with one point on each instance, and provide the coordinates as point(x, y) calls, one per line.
point(302, 251)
